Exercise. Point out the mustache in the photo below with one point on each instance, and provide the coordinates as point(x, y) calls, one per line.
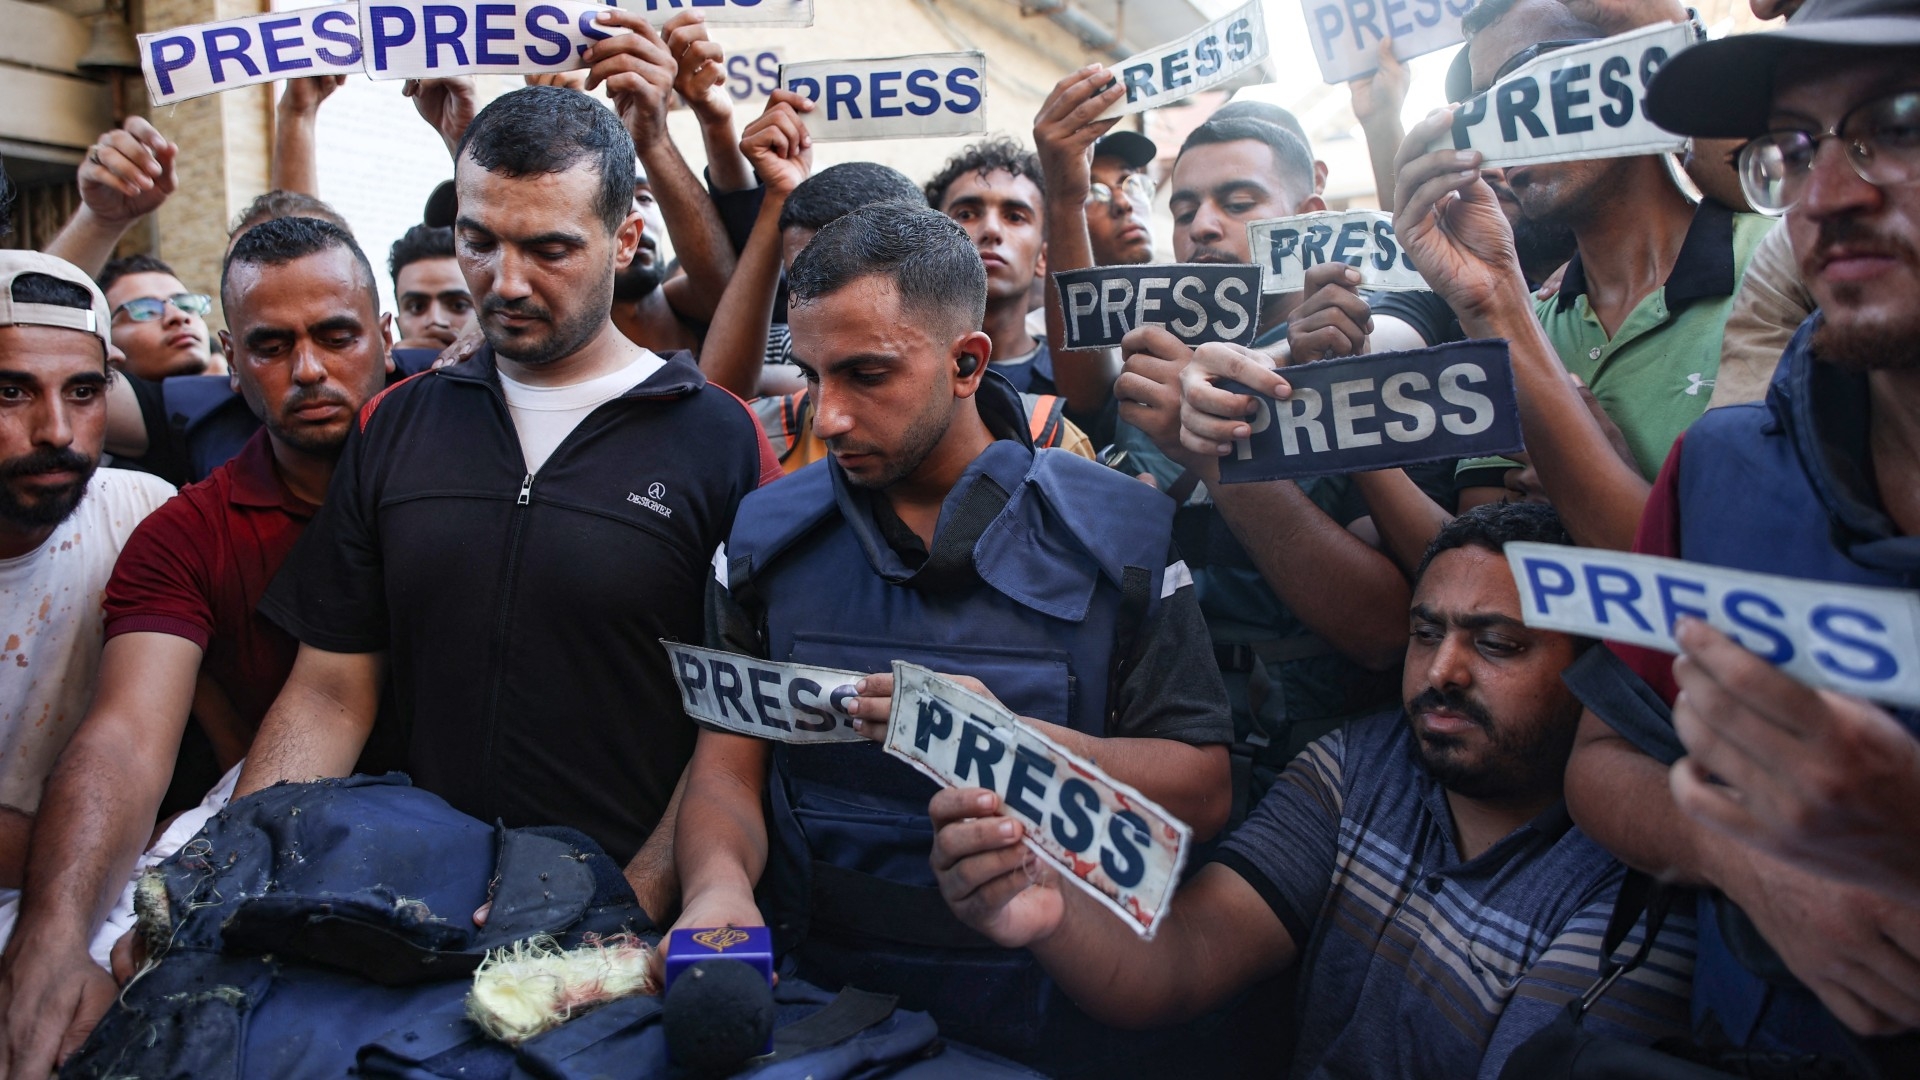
point(523, 307)
point(317, 395)
point(47, 459)
point(1453, 701)
point(1214, 255)
point(1851, 231)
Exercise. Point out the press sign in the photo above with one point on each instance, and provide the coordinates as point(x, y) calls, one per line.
point(1196, 302)
point(1347, 33)
point(1573, 104)
point(1852, 638)
point(767, 700)
point(1363, 239)
point(1104, 836)
point(408, 39)
point(1200, 61)
point(1383, 411)
point(893, 98)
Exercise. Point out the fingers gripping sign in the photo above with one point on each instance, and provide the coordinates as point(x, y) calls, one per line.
point(128, 172)
point(1451, 226)
point(990, 879)
point(1211, 418)
point(778, 144)
point(1820, 778)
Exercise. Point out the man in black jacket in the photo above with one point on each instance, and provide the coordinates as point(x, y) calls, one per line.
point(509, 538)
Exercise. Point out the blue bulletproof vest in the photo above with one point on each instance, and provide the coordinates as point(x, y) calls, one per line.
point(1067, 562)
point(1780, 487)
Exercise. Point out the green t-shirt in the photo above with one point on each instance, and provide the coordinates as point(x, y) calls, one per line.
point(1655, 375)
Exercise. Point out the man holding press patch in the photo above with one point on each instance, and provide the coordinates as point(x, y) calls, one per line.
point(934, 534)
point(1417, 867)
point(1796, 810)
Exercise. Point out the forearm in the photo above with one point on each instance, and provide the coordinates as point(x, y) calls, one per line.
point(126, 427)
point(734, 352)
point(1343, 590)
point(95, 817)
point(296, 165)
point(1193, 783)
point(15, 826)
point(699, 236)
point(1086, 376)
point(727, 167)
point(1599, 496)
point(1205, 952)
point(1406, 517)
point(319, 723)
point(651, 872)
point(1384, 136)
point(1619, 797)
point(88, 241)
point(720, 840)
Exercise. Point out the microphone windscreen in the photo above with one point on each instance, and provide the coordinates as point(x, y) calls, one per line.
point(717, 1015)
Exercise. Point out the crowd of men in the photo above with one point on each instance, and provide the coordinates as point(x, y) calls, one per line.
point(841, 427)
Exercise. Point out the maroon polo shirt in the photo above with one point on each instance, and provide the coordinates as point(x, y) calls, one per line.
point(197, 567)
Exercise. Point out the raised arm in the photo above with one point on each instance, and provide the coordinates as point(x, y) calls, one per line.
point(296, 164)
point(1377, 101)
point(734, 353)
point(701, 79)
point(1064, 132)
point(1451, 226)
point(720, 843)
point(638, 71)
point(320, 722)
point(447, 105)
point(127, 174)
point(1218, 938)
point(94, 818)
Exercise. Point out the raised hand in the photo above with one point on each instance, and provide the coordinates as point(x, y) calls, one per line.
point(778, 145)
point(303, 96)
point(1065, 130)
point(700, 67)
point(992, 881)
point(128, 172)
point(1451, 225)
point(638, 71)
point(1379, 97)
point(447, 105)
point(1334, 319)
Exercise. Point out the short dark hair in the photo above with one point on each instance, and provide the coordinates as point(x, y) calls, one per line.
point(1261, 110)
point(843, 188)
point(38, 288)
point(928, 257)
point(1495, 525)
point(540, 130)
point(279, 241)
point(1290, 154)
point(419, 242)
point(280, 203)
point(981, 158)
point(131, 264)
point(1487, 12)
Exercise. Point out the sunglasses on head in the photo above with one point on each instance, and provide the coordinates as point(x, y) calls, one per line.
point(149, 308)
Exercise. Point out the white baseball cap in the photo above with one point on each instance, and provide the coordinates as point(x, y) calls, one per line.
point(96, 320)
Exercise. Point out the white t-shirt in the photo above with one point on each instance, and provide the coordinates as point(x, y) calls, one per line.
point(545, 415)
point(51, 627)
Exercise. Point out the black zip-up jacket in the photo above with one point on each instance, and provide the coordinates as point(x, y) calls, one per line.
point(522, 612)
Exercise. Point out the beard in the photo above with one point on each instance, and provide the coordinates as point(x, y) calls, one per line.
point(917, 444)
point(53, 506)
point(1517, 760)
point(319, 443)
point(566, 334)
point(1849, 341)
point(1542, 248)
point(638, 281)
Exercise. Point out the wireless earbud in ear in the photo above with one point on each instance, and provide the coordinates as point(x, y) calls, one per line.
point(969, 364)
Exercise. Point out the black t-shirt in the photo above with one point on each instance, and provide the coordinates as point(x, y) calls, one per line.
point(1430, 316)
point(522, 614)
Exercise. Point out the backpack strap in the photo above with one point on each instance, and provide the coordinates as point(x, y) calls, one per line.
point(849, 1013)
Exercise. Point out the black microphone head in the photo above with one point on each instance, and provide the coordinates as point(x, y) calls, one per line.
point(718, 1014)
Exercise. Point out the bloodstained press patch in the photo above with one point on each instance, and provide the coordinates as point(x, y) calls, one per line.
point(1104, 836)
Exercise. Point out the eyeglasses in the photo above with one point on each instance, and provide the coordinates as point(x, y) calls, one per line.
point(149, 308)
point(1138, 188)
point(1882, 142)
point(1528, 55)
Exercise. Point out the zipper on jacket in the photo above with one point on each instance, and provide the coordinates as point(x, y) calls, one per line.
point(526, 490)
